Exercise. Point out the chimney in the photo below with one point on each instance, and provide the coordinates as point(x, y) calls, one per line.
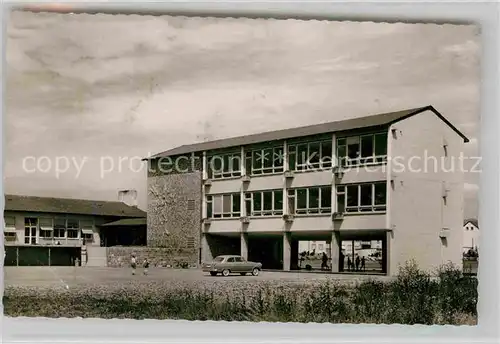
point(129, 197)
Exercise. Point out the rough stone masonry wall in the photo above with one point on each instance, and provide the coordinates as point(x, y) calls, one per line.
point(174, 212)
point(158, 257)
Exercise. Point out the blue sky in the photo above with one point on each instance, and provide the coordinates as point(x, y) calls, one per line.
point(100, 89)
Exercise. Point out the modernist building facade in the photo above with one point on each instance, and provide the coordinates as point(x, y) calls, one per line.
point(356, 179)
point(56, 231)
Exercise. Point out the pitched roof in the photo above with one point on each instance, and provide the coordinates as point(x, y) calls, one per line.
point(382, 119)
point(142, 221)
point(473, 221)
point(70, 206)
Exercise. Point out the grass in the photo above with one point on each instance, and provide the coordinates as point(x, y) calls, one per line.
point(414, 297)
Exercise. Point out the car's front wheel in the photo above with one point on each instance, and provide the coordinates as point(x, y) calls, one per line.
point(212, 273)
point(225, 272)
point(255, 272)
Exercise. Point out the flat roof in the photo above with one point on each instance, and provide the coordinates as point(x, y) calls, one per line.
point(70, 206)
point(383, 119)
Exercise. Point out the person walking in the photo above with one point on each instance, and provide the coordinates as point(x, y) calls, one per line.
point(357, 263)
point(133, 263)
point(324, 261)
point(363, 261)
point(349, 263)
point(146, 266)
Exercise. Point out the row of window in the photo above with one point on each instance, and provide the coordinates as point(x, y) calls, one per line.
point(351, 151)
point(370, 197)
point(50, 228)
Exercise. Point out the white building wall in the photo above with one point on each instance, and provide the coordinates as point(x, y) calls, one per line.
point(418, 212)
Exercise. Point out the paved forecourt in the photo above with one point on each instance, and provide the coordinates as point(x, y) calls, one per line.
point(81, 276)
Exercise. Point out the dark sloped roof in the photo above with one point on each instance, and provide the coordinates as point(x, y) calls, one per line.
point(127, 222)
point(70, 206)
point(473, 221)
point(337, 126)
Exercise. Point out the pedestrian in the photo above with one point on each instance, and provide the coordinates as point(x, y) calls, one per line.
point(324, 261)
point(133, 263)
point(363, 263)
point(146, 266)
point(357, 263)
point(349, 263)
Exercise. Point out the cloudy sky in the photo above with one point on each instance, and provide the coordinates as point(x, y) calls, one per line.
point(94, 90)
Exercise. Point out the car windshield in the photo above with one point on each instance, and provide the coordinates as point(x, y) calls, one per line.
point(218, 259)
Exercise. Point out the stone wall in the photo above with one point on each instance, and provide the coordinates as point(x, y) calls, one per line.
point(174, 212)
point(158, 257)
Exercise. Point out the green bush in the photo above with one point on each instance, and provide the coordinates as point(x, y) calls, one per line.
point(414, 297)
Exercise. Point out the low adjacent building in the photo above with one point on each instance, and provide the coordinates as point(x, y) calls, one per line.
point(62, 231)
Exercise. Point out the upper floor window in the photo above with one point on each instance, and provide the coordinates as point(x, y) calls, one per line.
point(226, 205)
point(46, 227)
point(59, 228)
point(10, 222)
point(224, 165)
point(310, 155)
point(369, 197)
point(264, 203)
point(314, 200)
point(87, 227)
point(363, 149)
point(264, 161)
point(73, 228)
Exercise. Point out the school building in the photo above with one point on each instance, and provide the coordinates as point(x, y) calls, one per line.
point(377, 178)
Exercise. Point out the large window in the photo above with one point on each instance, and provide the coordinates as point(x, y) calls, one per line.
point(264, 203)
point(219, 206)
point(30, 229)
point(59, 228)
point(363, 149)
point(73, 229)
point(264, 161)
point(224, 165)
point(87, 228)
point(310, 155)
point(314, 200)
point(10, 228)
point(370, 197)
point(46, 228)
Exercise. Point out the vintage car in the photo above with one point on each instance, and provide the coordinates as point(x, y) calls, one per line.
point(229, 264)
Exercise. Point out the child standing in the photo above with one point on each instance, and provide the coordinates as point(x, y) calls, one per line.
point(133, 263)
point(146, 266)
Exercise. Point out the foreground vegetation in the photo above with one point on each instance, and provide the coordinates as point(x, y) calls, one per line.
point(414, 297)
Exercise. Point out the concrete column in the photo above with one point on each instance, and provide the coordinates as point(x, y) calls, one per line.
point(206, 254)
point(287, 251)
point(285, 190)
point(335, 247)
point(386, 253)
point(204, 167)
point(334, 162)
point(244, 246)
point(243, 167)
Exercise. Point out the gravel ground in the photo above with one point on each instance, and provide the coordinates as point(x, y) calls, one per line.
point(80, 278)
